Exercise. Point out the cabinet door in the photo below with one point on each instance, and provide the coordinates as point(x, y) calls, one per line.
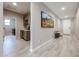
point(27, 35)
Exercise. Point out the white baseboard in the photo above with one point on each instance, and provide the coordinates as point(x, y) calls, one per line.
point(44, 45)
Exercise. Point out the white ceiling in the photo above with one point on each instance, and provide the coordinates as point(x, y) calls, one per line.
point(21, 7)
point(69, 8)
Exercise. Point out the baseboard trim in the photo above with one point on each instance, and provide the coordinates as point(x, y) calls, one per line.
point(43, 45)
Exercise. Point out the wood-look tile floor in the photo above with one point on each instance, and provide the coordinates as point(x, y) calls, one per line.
point(13, 47)
point(65, 46)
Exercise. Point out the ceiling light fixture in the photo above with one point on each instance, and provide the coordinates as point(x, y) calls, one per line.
point(65, 16)
point(14, 3)
point(63, 8)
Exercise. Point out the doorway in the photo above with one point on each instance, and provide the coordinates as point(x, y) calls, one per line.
point(67, 27)
point(9, 27)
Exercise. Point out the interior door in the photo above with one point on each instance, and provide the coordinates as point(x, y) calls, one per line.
point(67, 26)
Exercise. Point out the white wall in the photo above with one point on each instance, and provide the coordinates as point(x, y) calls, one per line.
point(40, 35)
point(76, 25)
point(59, 25)
point(18, 21)
point(73, 26)
point(1, 22)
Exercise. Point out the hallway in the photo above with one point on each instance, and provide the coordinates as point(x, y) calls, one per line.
point(36, 29)
point(66, 46)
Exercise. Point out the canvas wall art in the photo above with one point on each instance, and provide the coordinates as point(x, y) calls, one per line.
point(46, 20)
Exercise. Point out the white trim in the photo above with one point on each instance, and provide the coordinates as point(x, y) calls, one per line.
point(43, 45)
point(31, 30)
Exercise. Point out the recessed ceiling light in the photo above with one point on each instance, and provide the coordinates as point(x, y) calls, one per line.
point(65, 16)
point(62, 8)
point(14, 3)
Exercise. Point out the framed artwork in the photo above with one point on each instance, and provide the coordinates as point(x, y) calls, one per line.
point(46, 20)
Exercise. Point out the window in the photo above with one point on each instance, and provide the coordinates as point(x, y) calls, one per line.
point(7, 22)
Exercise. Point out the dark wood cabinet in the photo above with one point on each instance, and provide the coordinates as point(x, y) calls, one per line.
point(25, 35)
